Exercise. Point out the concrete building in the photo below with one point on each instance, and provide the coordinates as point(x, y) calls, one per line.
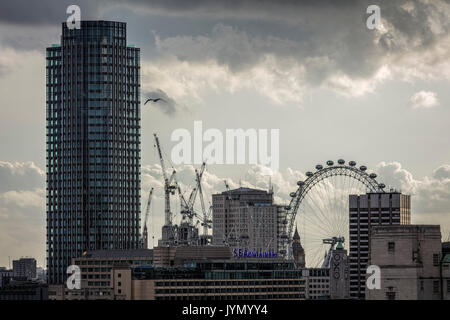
point(5, 276)
point(317, 283)
point(24, 290)
point(93, 144)
point(176, 256)
point(409, 257)
point(247, 218)
point(214, 280)
point(445, 276)
point(97, 273)
point(25, 268)
point(371, 209)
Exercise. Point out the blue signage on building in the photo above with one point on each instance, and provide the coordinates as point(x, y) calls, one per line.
point(244, 253)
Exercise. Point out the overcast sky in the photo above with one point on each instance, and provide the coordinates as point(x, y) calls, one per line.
point(334, 89)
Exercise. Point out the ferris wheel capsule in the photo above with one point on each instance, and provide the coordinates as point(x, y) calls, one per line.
point(300, 183)
point(352, 163)
point(330, 163)
point(363, 168)
point(373, 175)
point(341, 161)
point(309, 174)
point(292, 194)
point(382, 186)
point(319, 167)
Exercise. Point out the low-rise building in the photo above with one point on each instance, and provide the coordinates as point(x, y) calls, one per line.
point(409, 258)
point(5, 276)
point(213, 280)
point(24, 290)
point(445, 272)
point(25, 268)
point(317, 283)
point(97, 273)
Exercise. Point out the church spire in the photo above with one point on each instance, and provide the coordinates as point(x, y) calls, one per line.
point(296, 235)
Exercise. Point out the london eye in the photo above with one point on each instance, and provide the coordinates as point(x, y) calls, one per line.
point(319, 208)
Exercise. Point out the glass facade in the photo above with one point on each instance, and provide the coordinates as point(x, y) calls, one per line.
point(93, 144)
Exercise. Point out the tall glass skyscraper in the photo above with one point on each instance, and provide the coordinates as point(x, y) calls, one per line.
point(93, 144)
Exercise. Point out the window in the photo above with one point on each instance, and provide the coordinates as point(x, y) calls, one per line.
point(119, 283)
point(390, 295)
point(436, 259)
point(391, 246)
point(448, 286)
point(119, 275)
point(436, 286)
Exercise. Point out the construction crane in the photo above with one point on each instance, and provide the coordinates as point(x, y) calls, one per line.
point(332, 242)
point(169, 188)
point(147, 212)
point(187, 207)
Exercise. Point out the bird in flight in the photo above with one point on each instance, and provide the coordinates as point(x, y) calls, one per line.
point(154, 100)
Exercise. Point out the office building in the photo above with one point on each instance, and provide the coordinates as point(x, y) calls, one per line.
point(24, 290)
point(96, 273)
point(176, 256)
point(93, 144)
point(317, 283)
point(213, 280)
point(5, 276)
point(248, 219)
point(24, 268)
point(445, 276)
point(409, 257)
point(371, 209)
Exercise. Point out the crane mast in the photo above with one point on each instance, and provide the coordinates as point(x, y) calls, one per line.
point(168, 187)
point(147, 212)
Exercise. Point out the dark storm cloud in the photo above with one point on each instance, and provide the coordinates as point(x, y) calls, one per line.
point(168, 105)
point(44, 12)
point(324, 39)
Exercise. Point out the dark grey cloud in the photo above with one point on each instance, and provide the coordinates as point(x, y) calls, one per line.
point(45, 12)
point(169, 106)
point(327, 40)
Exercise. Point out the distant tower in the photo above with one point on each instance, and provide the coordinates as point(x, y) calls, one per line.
point(297, 250)
point(339, 273)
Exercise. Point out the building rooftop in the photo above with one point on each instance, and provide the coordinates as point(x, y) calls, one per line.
point(245, 190)
point(119, 253)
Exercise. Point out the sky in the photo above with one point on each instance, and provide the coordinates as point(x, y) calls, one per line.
point(312, 69)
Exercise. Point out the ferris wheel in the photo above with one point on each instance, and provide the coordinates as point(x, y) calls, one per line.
point(319, 208)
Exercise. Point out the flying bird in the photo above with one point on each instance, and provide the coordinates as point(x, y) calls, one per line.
point(154, 100)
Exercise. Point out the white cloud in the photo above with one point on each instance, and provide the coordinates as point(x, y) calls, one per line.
point(424, 100)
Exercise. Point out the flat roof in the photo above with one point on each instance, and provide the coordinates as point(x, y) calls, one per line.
point(119, 253)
